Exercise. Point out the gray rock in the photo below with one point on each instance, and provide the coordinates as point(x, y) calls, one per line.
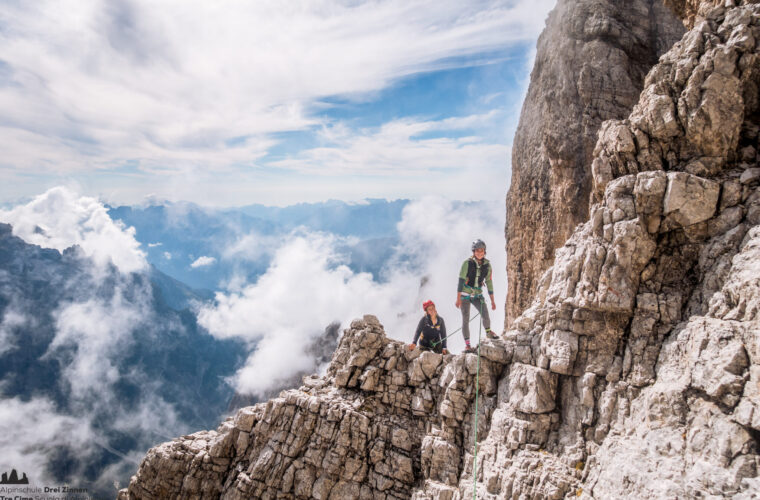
point(531, 389)
point(689, 200)
point(750, 175)
point(649, 192)
point(560, 347)
point(590, 66)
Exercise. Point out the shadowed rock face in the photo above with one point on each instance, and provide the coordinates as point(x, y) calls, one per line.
point(590, 66)
point(634, 373)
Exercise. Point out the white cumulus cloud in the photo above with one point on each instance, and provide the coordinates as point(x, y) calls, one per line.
point(203, 261)
point(59, 218)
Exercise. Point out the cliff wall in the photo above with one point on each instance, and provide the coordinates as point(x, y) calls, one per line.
point(647, 325)
point(591, 61)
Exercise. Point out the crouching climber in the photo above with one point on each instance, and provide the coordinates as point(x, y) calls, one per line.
point(431, 331)
point(474, 272)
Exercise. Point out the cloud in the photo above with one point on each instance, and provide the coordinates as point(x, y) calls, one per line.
point(174, 89)
point(60, 218)
point(308, 286)
point(167, 255)
point(98, 329)
point(39, 431)
point(152, 245)
point(399, 147)
point(305, 289)
point(203, 261)
point(11, 319)
point(251, 246)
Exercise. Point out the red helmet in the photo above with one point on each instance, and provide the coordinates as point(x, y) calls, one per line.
point(427, 304)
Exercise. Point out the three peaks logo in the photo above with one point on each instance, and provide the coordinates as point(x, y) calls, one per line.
point(13, 478)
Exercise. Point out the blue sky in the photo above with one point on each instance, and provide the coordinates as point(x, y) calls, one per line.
point(238, 102)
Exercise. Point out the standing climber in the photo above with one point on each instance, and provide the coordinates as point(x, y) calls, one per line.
point(474, 272)
point(431, 331)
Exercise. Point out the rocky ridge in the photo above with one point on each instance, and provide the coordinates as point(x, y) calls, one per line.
point(634, 373)
point(382, 418)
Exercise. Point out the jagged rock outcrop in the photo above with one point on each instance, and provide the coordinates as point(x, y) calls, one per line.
point(691, 10)
point(634, 373)
point(380, 420)
point(590, 66)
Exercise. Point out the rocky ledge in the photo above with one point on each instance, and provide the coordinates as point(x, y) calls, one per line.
point(381, 419)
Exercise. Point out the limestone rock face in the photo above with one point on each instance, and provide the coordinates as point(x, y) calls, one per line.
point(590, 66)
point(660, 286)
point(634, 373)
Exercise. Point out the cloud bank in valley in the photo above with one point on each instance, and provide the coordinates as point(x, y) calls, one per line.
point(89, 316)
point(308, 286)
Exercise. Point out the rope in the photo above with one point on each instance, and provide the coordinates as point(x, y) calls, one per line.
point(477, 391)
point(477, 387)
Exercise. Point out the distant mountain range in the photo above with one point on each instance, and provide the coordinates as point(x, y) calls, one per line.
point(238, 243)
point(113, 351)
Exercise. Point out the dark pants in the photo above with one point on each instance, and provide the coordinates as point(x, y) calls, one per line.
point(438, 349)
point(480, 305)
